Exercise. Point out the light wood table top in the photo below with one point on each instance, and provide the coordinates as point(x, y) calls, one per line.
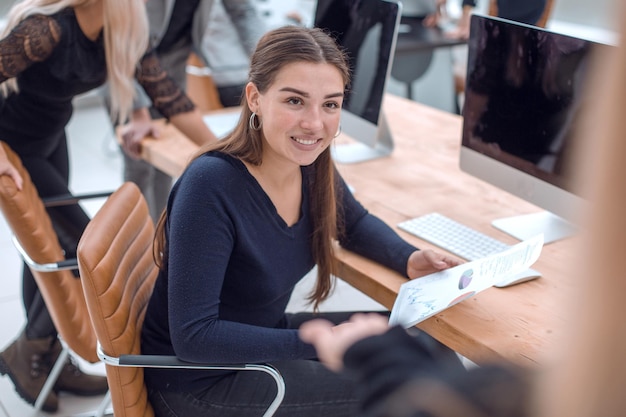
point(518, 324)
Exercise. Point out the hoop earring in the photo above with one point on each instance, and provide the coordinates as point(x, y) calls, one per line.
point(338, 132)
point(252, 124)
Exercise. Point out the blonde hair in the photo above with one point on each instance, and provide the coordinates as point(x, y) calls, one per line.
point(125, 42)
point(126, 36)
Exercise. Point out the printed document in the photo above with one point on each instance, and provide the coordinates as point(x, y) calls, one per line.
point(424, 297)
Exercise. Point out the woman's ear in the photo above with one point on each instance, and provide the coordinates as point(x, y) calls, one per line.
point(252, 97)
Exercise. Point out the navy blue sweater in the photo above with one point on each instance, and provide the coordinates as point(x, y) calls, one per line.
point(233, 263)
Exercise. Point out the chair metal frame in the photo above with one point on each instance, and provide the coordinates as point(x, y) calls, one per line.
point(168, 361)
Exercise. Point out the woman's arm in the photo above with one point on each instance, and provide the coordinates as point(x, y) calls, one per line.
point(369, 236)
point(191, 124)
point(31, 41)
point(247, 22)
point(172, 102)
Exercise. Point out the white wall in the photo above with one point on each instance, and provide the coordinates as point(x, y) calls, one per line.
point(596, 13)
point(5, 5)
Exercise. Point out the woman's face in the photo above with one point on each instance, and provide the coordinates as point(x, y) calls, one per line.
point(299, 112)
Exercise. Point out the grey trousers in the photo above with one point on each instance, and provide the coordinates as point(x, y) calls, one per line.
point(154, 184)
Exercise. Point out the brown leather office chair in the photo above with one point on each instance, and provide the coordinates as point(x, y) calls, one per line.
point(118, 273)
point(37, 243)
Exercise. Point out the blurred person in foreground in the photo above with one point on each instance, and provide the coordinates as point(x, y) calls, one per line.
point(585, 374)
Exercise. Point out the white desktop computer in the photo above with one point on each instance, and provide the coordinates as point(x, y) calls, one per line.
point(367, 30)
point(525, 89)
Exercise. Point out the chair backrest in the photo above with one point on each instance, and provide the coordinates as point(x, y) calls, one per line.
point(543, 20)
point(118, 273)
point(61, 290)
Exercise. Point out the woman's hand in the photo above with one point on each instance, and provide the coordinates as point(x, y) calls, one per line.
point(424, 262)
point(140, 126)
point(331, 342)
point(7, 168)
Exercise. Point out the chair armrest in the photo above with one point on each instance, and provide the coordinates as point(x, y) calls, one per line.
point(168, 361)
point(64, 264)
point(65, 200)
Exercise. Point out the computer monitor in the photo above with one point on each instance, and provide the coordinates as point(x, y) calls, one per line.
point(524, 92)
point(367, 30)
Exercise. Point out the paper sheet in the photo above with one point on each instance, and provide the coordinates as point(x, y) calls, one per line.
point(424, 297)
point(221, 123)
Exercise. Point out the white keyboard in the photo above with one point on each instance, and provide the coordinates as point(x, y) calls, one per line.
point(452, 236)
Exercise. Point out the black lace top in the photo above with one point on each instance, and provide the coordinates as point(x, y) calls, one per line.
point(53, 61)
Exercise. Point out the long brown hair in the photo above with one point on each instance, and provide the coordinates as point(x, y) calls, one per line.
point(276, 49)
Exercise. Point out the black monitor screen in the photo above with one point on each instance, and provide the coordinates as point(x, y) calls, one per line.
point(365, 29)
point(524, 93)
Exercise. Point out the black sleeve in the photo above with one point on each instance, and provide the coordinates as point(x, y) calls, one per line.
point(32, 40)
point(400, 375)
point(369, 236)
point(165, 94)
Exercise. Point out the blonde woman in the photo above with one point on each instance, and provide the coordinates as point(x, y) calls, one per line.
point(50, 51)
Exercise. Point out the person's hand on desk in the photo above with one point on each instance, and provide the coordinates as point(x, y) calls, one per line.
point(191, 124)
point(132, 133)
point(425, 262)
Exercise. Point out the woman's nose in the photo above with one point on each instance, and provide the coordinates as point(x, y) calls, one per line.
point(312, 119)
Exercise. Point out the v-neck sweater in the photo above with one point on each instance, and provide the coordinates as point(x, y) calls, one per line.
point(232, 265)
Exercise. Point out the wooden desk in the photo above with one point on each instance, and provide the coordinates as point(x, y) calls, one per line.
point(518, 324)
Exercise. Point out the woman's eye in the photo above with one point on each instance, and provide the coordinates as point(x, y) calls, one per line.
point(294, 100)
point(333, 105)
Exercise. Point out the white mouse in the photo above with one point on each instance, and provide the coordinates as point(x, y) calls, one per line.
point(525, 275)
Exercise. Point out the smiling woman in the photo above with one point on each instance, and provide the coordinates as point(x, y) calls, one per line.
point(299, 123)
point(250, 216)
point(292, 109)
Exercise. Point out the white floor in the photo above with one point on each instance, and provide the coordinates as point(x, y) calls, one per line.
point(96, 166)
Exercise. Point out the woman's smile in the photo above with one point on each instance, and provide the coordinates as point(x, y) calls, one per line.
point(307, 141)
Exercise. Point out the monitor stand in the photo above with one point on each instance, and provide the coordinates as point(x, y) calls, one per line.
point(350, 153)
point(529, 225)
